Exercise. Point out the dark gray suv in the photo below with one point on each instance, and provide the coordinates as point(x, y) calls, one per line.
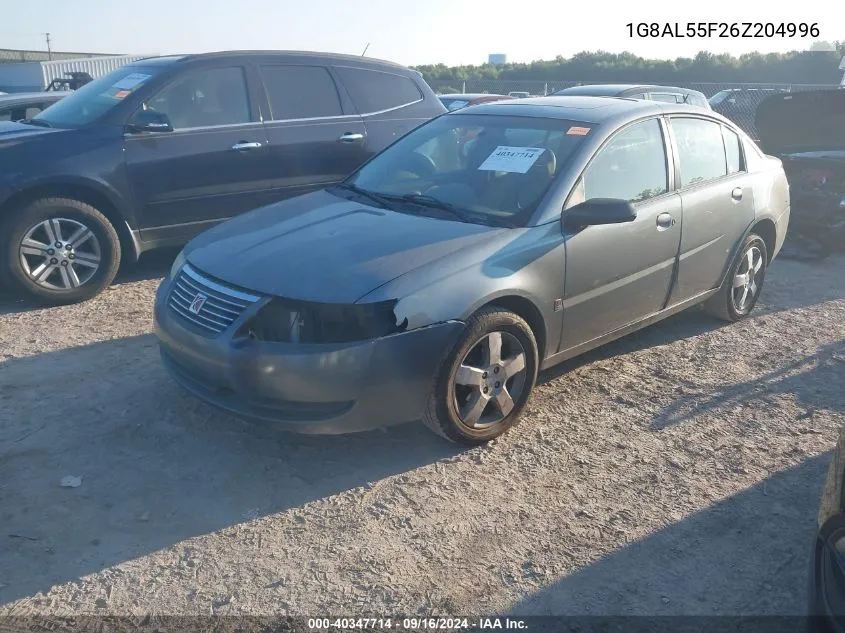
point(159, 150)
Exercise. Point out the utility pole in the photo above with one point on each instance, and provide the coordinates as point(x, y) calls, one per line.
point(49, 50)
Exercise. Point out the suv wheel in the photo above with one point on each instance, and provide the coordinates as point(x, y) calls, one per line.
point(59, 250)
point(486, 380)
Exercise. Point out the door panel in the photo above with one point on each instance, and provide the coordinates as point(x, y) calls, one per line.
point(619, 273)
point(713, 223)
point(717, 201)
point(314, 137)
point(211, 167)
point(309, 155)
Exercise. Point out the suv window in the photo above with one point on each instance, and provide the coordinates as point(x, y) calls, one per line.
point(632, 166)
point(301, 92)
point(732, 151)
point(701, 150)
point(374, 91)
point(204, 98)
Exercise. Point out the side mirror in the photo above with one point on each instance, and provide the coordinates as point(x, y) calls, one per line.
point(149, 121)
point(598, 211)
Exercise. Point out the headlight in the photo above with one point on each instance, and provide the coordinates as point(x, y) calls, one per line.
point(286, 321)
point(177, 263)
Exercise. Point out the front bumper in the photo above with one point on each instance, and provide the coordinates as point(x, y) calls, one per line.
point(313, 389)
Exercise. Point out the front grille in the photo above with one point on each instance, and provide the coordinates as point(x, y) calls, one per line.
point(208, 305)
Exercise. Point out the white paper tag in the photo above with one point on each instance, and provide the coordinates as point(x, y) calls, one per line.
point(130, 81)
point(516, 160)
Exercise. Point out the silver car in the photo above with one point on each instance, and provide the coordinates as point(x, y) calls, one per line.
point(484, 246)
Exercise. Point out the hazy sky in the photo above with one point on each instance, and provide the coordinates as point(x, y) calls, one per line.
point(423, 31)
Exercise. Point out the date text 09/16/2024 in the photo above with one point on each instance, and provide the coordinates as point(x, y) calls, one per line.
point(723, 29)
point(415, 624)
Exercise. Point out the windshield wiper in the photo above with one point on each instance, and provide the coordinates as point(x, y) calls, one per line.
point(431, 202)
point(370, 195)
point(38, 122)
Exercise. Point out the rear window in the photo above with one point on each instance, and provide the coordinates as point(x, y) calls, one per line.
point(300, 92)
point(375, 91)
point(668, 97)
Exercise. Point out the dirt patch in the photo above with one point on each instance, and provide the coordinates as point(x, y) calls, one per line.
point(677, 471)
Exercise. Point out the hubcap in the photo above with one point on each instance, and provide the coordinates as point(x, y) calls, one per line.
point(746, 284)
point(60, 254)
point(490, 380)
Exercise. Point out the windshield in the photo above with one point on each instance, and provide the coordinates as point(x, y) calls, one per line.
point(493, 169)
point(717, 98)
point(96, 98)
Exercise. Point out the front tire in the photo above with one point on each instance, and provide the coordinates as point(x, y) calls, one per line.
point(58, 251)
point(744, 283)
point(485, 381)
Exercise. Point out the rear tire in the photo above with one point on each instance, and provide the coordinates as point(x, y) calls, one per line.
point(742, 287)
point(58, 251)
point(486, 380)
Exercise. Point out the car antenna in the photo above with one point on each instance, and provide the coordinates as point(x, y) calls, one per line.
point(365, 49)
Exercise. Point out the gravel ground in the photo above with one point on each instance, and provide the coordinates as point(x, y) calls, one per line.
point(677, 471)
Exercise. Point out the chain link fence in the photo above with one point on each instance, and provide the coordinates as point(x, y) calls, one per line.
point(737, 101)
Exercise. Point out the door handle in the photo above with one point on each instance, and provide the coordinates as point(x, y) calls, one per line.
point(351, 137)
point(243, 145)
point(665, 221)
point(736, 194)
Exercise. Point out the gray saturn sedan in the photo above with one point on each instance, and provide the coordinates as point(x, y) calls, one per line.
point(484, 246)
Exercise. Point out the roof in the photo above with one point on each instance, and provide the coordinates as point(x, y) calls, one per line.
point(574, 108)
point(304, 55)
point(615, 89)
point(26, 97)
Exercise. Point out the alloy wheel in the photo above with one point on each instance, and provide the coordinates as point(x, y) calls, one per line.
point(747, 280)
point(490, 380)
point(60, 254)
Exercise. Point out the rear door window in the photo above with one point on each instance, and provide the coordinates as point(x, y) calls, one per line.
point(732, 151)
point(301, 92)
point(376, 91)
point(701, 150)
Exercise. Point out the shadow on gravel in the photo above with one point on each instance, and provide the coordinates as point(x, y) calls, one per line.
point(753, 547)
point(815, 380)
point(153, 265)
point(687, 324)
point(157, 466)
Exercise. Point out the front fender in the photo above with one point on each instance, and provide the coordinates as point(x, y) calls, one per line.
point(526, 274)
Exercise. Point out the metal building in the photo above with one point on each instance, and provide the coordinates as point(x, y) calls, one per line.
point(36, 76)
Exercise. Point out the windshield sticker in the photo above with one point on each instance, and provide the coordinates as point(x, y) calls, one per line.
point(517, 160)
point(578, 131)
point(131, 81)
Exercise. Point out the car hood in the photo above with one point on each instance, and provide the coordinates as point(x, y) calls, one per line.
point(802, 122)
point(323, 248)
point(13, 131)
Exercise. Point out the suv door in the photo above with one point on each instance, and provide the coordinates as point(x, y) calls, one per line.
point(391, 104)
point(617, 274)
point(717, 200)
point(213, 165)
point(314, 140)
